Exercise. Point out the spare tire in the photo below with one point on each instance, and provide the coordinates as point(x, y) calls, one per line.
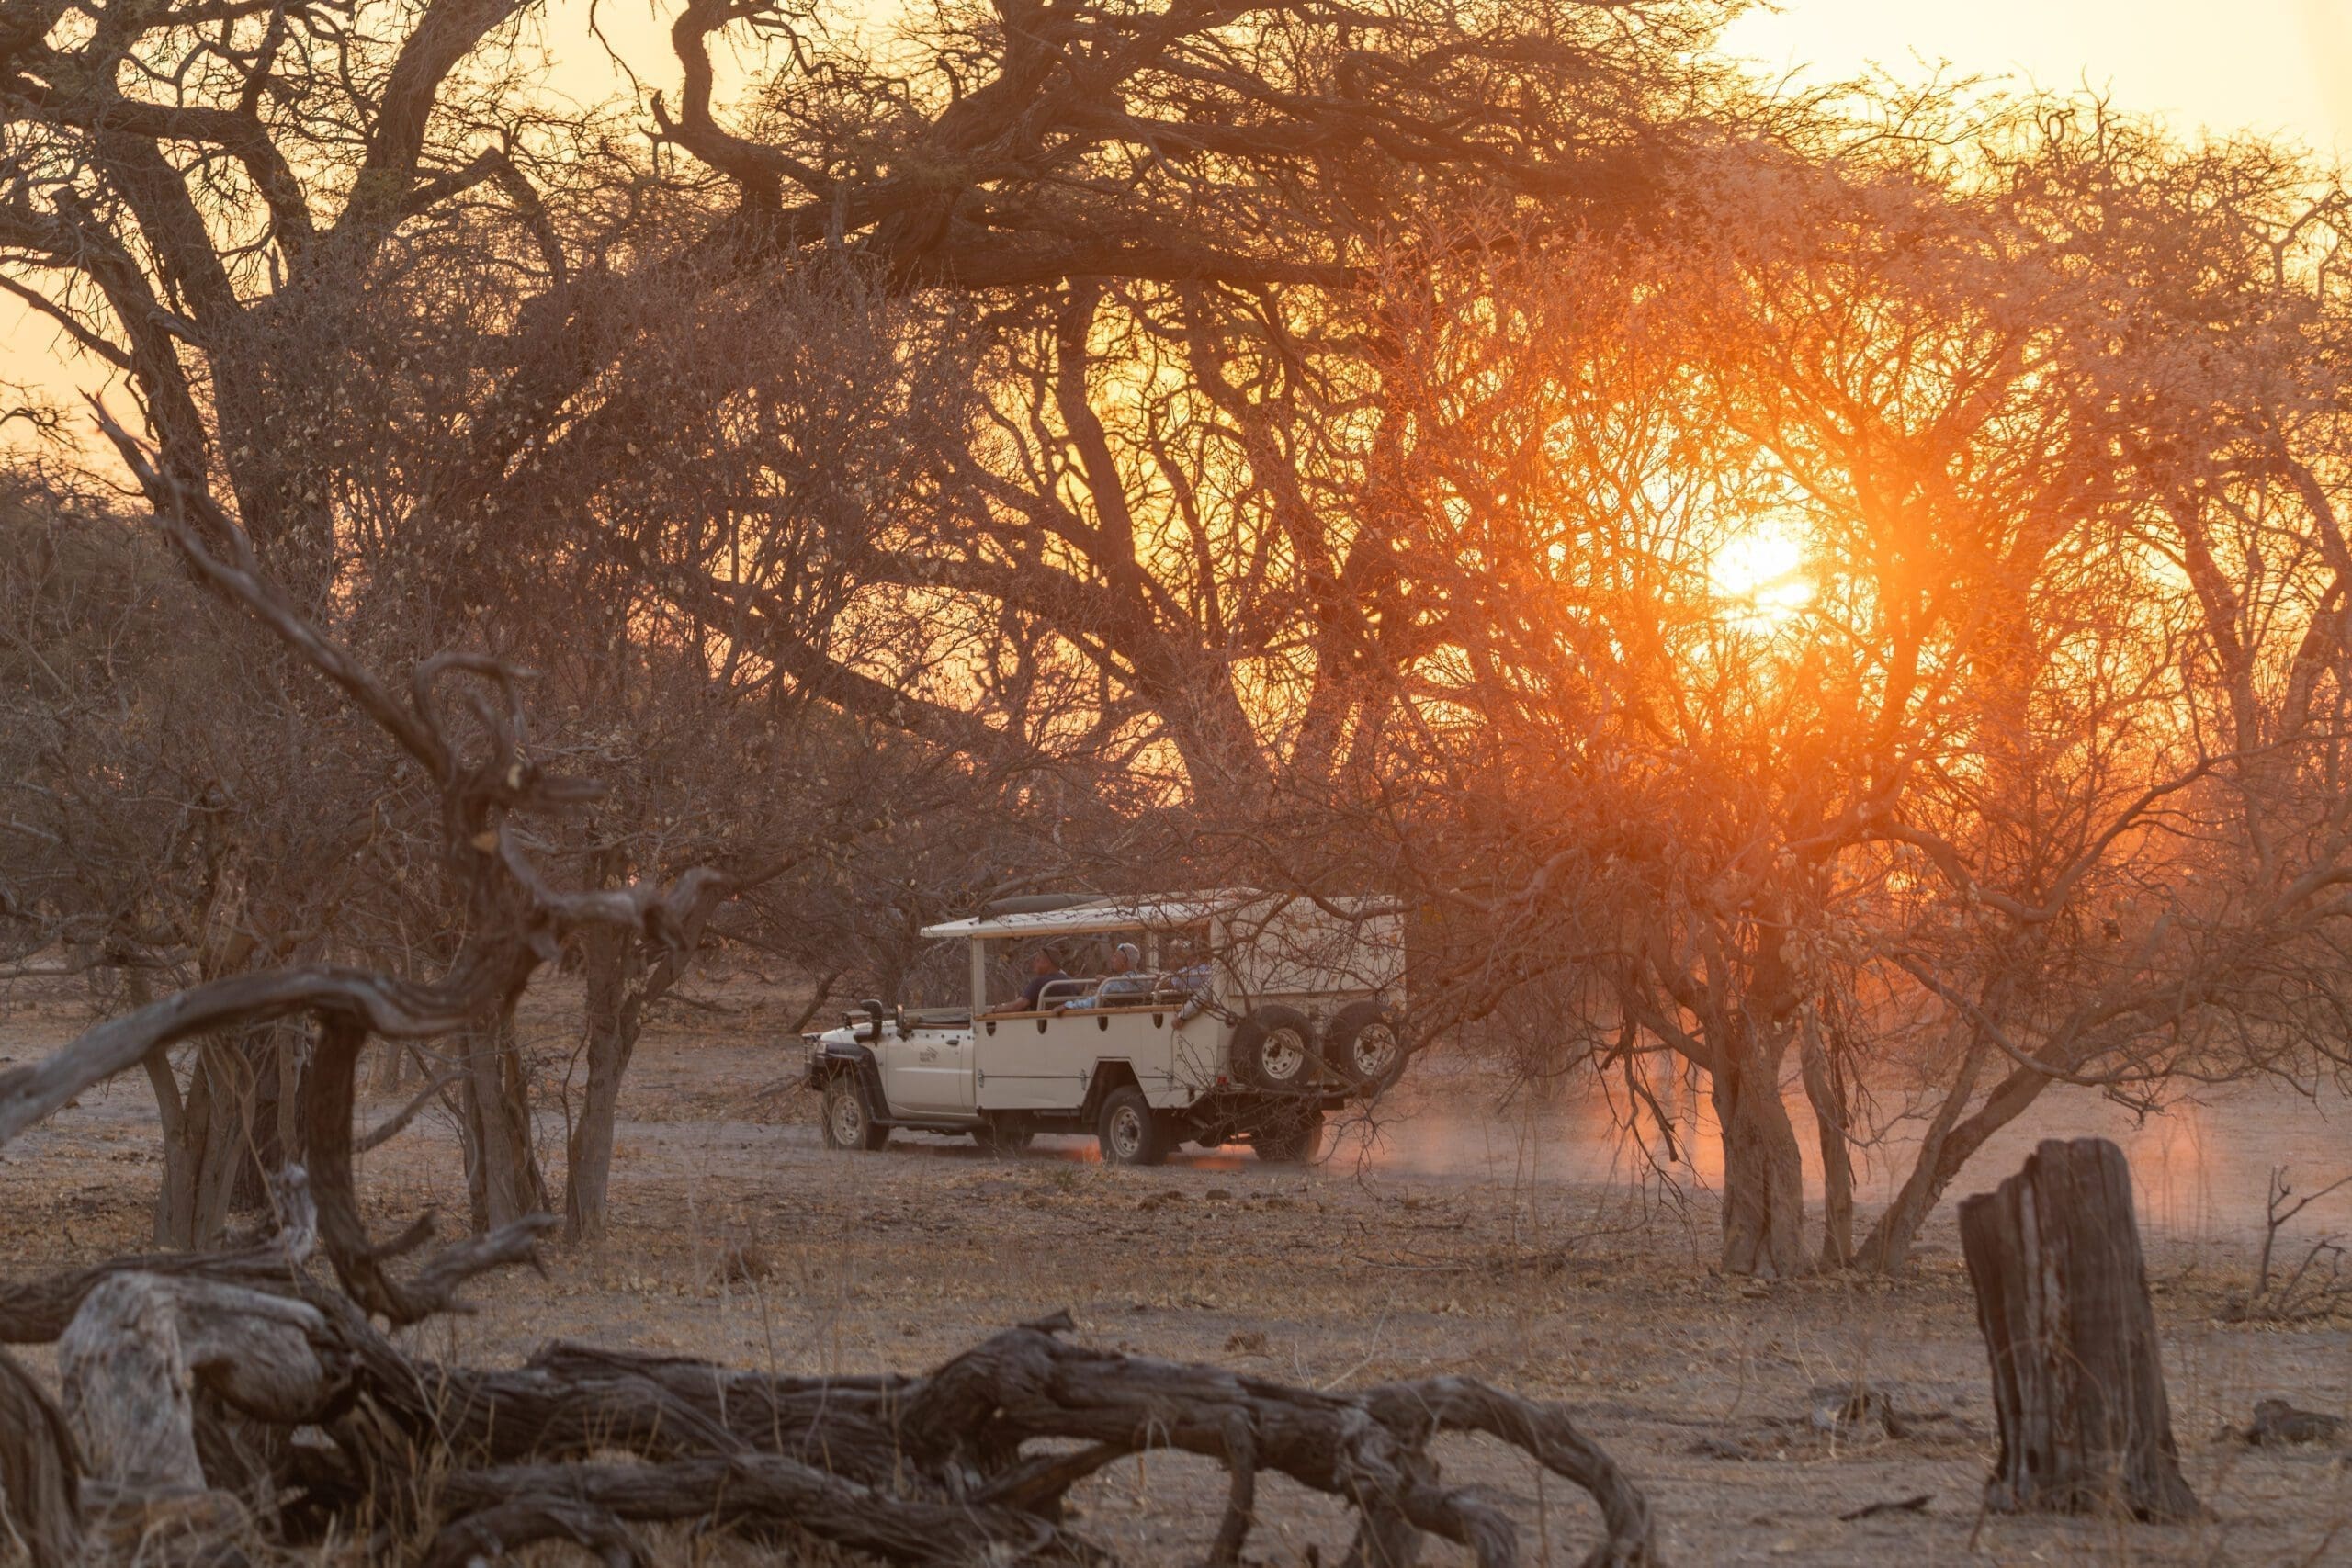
point(1274, 1048)
point(1363, 1046)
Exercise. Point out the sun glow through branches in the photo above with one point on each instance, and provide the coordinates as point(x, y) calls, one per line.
point(1759, 574)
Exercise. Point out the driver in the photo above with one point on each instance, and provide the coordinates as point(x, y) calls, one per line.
point(1044, 970)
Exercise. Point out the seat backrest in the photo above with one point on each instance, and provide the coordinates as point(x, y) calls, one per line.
point(1061, 993)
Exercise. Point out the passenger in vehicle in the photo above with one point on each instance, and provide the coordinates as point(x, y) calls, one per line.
point(1193, 981)
point(1124, 983)
point(1044, 970)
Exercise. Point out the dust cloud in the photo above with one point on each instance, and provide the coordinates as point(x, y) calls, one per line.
point(2202, 1166)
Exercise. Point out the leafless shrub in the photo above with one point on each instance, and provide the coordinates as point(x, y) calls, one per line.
point(2314, 1287)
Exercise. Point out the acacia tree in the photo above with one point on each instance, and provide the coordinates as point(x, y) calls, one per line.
point(2024, 792)
point(1903, 835)
point(270, 219)
point(2065, 835)
point(2158, 892)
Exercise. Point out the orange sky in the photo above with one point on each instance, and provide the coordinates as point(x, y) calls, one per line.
point(2283, 67)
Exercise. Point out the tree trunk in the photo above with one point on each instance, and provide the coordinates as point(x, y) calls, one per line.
point(212, 1155)
point(1763, 1167)
point(503, 1179)
point(273, 1063)
point(612, 1017)
point(2062, 1295)
point(1949, 1146)
point(391, 1067)
point(1826, 1089)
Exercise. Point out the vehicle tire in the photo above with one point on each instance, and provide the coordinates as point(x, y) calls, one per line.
point(1291, 1137)
point(998, 1139)
point(1362, 1046)
point(848, 1121)
point(1274, 1048)
point(1128, 1130)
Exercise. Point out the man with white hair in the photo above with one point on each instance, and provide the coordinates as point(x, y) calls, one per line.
point(1123, 982)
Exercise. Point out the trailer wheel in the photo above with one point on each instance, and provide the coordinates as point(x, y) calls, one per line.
point(1274, 1048)
point(849, 1121)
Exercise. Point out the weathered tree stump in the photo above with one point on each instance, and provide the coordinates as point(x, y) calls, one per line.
point(2062, 1295)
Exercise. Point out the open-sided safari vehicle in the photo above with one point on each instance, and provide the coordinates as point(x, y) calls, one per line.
point(1248, 1018)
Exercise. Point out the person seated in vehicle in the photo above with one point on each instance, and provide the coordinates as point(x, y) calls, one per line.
point(1045, 969)
point(1124, 984)
point(1192, 983)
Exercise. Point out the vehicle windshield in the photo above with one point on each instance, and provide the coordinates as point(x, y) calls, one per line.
point(939, 980)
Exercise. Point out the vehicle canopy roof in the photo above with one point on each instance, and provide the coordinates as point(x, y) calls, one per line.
point(1146, 911)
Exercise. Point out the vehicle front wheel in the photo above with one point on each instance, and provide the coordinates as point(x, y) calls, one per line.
point(1293, 1138)
point(1128, 1132)
point(849, 1121)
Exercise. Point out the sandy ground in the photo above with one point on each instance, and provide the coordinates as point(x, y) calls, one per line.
point(1594, 1293)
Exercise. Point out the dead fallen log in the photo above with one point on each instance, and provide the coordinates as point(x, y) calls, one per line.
point(41, 1473)
point(143, 1346)
point(967, 1463)
point(2061, 1296)
point(498, 1511)
point(36, 1311)
point(895, 1450)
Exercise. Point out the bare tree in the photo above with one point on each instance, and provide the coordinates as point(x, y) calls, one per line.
point(2027, 783)
point(375, 296)
point(915, 1471)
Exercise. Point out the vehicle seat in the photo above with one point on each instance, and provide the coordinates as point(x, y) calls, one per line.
point(1061, 993)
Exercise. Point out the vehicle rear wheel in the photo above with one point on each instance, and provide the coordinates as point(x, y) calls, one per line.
point(1128, 1132)
point(1291, 1137)
point(999, 1139)
point(1274, 1048)
point(849, 1121)
point(1362, 1046)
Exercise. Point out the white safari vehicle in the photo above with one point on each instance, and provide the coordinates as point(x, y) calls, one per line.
point(1249, 1016)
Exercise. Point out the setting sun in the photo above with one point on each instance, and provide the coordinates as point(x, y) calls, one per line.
point(1759, 573)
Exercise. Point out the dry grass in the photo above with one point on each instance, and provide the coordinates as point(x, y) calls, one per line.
point(738, 1237)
